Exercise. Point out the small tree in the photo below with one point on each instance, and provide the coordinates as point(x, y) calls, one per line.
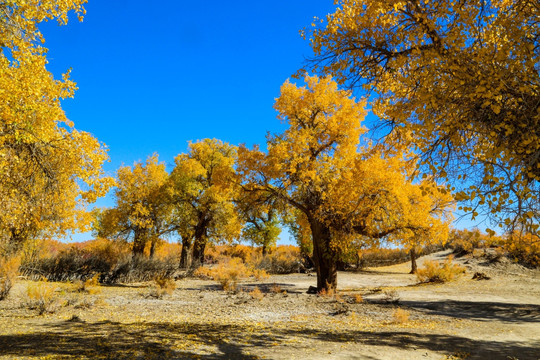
point(143, 211)
point(203, 185)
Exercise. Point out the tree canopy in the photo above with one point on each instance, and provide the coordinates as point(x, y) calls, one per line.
point(317, 166)
point(49, 171)
point(459, 81)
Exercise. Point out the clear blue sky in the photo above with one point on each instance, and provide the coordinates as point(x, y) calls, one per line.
point(154, 75)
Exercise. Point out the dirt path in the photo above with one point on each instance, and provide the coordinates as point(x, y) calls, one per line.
point(466, 319)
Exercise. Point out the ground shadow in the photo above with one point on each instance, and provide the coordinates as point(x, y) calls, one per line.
point(483, 311)
point(142, 340)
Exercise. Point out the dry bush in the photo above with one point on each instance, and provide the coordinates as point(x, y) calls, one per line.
point(229, 273)
point(524, 249)
point(89, 286)
point(9, 268)
point(433, 271)
point(285, 259)
point(400, 316)
point(112, 259)
point(40, 296)
point(357, 299)
point(260, 274)
point(256, 294)
point(203, 272)
point(161, 286)
point(275, 289)
point(243, 252)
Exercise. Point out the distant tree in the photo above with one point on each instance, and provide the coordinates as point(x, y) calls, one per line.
point(49, 172)
point(260, 214)
point(459, 80)
point(317, 166)
point(203, 185)
point(142, 211)
point(437, 205)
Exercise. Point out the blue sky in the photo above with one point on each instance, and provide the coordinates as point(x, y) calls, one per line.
point(153, 77)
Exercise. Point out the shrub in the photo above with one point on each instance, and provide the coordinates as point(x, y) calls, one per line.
point(524, 249)
point(228, 273)
point(162, 286)
point(40, 296)
point(90, 285)
point(8, 272)
point(284, 259)
point(436, 272)
point(260, 274)
point(256, 294)
point(275, 289)
point(400, 316)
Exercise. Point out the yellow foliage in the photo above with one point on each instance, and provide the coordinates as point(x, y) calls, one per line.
point(50, 171)
point(9, 268)
point(343, 190)
point(456, 80)
point(433, 271)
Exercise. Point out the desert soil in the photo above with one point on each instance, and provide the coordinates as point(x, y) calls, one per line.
point(497, 318)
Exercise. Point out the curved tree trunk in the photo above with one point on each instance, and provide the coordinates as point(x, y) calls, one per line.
point(185, 254)
point(413, 254)
point(324, 258)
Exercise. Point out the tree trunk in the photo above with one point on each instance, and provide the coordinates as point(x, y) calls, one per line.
point(197, 259)
point(138, 244)
point(185, 254)
point(199, 243)
point(264, 250)
point(324, 258)
point(414, 267)
point(152, 248)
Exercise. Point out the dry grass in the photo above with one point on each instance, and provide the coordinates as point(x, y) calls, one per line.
point(40, 296)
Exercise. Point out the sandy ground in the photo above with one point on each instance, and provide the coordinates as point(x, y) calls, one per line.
point(464, 319)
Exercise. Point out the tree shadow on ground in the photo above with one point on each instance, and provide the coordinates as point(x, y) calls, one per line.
point(142, 340)
point(483, 311)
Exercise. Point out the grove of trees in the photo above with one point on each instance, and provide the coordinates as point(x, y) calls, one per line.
point(455, 86)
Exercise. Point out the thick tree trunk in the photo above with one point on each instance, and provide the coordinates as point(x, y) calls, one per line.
point(414, 267)
point(264, 250)
point(324, 258)
point(185, 254)
point(199, 243)
point(138, 244)
point(197, 258)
